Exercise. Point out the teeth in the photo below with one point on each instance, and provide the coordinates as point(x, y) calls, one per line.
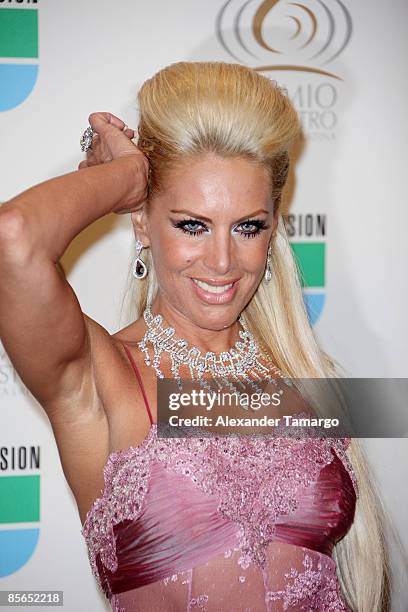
point(212, 288)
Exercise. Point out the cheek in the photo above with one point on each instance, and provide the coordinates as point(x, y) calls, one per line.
point(178, 255)
point(252, 259)
point(172, 254)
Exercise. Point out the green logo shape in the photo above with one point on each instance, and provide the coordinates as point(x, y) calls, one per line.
point(19, 499)
point(310, 257)
point(18, 33)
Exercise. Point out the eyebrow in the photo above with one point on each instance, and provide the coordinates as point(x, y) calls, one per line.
point(192, 214)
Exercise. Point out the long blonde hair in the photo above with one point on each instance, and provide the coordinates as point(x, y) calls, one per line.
point(189, 108)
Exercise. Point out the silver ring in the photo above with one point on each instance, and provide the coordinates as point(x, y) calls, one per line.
point(86, 139)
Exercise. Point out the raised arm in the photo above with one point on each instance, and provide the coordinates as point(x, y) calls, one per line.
point(46, 335)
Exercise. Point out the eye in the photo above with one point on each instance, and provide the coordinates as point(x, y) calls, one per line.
point(185, 223)
point(259, 226)
point(193, 227)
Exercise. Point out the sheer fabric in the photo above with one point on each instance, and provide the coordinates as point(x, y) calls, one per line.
point(243, 524)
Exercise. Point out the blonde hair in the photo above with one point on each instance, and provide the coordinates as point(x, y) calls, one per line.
point(190, 108)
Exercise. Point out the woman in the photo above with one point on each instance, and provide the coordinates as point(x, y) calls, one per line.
point(184, 524)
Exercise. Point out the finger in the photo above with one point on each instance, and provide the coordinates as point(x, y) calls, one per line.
point(93, 150)
point(90, 157)
point(99, 121)
point(114, 120)
point(129, 133)
point(90, 152)
point(91, 161)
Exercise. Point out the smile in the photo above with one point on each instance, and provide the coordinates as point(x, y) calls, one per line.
point(213, 288)
point(214, 294)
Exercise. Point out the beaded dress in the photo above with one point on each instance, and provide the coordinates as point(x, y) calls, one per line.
point(222, 524)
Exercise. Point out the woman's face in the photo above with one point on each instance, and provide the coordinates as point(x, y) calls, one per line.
point(212, 223)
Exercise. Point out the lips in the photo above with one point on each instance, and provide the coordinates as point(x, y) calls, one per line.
point(211, 287)
point(210, 297)
point(217, 283)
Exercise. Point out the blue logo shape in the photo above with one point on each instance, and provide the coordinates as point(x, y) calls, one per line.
point(17, 82)
point(16, 547)
point(18, 40)
point(314, 303)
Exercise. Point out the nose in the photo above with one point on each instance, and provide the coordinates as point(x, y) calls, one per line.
point(218, 257)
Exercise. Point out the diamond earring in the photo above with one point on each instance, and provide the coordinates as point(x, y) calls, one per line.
point(268, 271)
point(139, 269)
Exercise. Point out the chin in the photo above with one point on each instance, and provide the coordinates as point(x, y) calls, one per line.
point(215, 320)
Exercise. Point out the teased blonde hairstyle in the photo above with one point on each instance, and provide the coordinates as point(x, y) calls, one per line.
point(190, 108)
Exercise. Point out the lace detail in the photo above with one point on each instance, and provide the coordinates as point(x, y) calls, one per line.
point(315, 583)
point(199, 602)
point(256, 479)
point(126, 476)
point(341, 445)
point(115, 604)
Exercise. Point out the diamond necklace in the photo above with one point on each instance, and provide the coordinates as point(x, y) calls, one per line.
point(231, 368)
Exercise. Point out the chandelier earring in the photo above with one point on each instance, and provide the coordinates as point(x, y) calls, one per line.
point(268, 271)
point(139, 268)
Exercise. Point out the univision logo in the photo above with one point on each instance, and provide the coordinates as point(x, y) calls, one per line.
point(18, 43)
point(273, 35)
point(310, 256)
point(19, 507)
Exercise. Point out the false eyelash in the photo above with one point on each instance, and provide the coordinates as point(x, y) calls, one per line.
point(259, 223)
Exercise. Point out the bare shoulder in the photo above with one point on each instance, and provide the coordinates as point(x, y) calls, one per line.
point(109, 415)
point(115, 357)
point(115, 377)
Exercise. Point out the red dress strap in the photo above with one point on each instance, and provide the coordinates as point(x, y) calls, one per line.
point(139, 378)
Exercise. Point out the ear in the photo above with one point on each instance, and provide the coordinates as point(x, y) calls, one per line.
point(141, 225)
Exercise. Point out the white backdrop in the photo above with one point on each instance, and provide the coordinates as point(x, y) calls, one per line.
point(94, 56)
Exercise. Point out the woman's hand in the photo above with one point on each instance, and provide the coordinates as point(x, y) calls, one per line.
point(113, 141)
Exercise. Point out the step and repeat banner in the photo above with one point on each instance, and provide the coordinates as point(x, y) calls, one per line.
point(343, 65)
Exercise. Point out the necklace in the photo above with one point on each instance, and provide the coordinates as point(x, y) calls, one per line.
point(231, 368)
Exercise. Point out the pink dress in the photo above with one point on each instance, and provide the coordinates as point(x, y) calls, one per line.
point(217, 524)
